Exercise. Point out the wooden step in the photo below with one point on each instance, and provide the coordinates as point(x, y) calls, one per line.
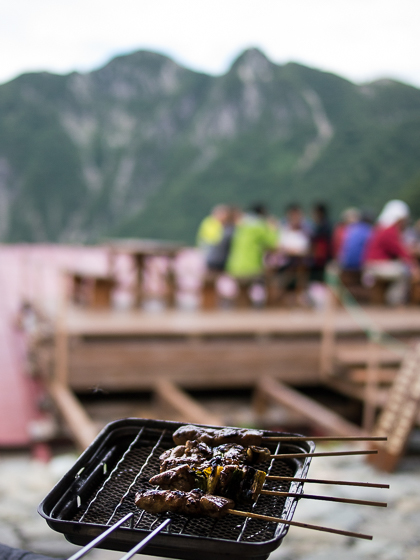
point(383, 376)
point(378, 398)
point(354, 355)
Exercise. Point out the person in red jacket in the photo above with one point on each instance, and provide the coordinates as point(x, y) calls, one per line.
point(386, 257)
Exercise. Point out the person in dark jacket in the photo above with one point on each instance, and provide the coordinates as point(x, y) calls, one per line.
point(218, 253)
point(321, 241)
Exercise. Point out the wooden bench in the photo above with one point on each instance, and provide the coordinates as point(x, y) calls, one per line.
point(352, 281)
point(91, 290)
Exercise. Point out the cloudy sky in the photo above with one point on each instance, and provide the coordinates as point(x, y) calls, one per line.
point(358, 39)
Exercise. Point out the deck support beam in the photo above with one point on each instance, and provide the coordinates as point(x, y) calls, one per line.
point(79, 423)
point(322, 417)
point(170, 394)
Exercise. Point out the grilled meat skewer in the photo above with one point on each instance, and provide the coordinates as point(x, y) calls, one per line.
point(199, 504)
point(201, 455)
point(195, 503)
point(214, 437)
point(240, 483)
point(198, 454)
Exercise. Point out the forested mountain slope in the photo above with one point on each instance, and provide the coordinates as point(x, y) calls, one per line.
point(144, 147)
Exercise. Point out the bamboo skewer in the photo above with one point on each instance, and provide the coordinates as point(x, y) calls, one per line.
point(322, 481)
point(323, 438)
point(324, 498)
point(324, 454)
point(298, 524)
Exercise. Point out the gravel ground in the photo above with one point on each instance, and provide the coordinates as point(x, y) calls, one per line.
point(25, 482)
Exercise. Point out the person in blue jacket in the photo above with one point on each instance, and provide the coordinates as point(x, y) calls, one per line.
point(355, 240)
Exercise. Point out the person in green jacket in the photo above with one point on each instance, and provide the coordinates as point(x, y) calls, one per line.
point(254, 235)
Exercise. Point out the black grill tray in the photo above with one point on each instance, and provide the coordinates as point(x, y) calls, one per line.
point(100, 487)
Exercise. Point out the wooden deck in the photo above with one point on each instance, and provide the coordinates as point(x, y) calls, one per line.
point(120, 351)
point(138, 350)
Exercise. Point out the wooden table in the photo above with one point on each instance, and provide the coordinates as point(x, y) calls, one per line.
point(139, 250)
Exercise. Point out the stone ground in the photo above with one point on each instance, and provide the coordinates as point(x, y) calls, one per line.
point(25, 482)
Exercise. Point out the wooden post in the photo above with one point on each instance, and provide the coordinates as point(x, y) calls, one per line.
point(243, 300)
point(259, 401)
point(61, 338)
point(371, 387)
point(328, 336)
point(171, 285)
point(139, 260)
point(208, 292)
point(102, 293)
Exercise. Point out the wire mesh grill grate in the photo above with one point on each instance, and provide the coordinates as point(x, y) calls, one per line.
point(138, 461)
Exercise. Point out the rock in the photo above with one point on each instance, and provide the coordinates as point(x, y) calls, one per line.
point(55, 545)
point(8, 536)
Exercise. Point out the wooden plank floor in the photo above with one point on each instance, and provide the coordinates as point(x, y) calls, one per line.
point(115, 365)
point(31, 272)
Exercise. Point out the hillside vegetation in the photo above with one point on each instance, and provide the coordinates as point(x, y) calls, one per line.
point(144, 147)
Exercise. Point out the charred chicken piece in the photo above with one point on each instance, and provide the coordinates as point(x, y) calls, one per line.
point(195, 503)
point(234, 454)
point(184, 477)
point(215, 437)
point(201, 456)
point(193, 453)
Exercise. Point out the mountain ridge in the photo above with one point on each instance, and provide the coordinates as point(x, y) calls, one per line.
point(144, 147)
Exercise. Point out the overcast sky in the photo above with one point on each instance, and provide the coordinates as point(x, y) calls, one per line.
point(359, 39)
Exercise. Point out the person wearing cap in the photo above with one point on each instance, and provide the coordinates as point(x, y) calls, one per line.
point(387, 258)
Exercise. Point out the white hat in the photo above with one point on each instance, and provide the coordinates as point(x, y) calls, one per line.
point(393, 212)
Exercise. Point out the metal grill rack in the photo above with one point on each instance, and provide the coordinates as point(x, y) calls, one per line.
point(100, 490)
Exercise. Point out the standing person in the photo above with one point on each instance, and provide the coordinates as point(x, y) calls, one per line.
point(254, 235)
point(387, 258)
point(321, 241)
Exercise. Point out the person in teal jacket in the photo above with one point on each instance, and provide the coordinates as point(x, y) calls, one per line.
point(254, 235)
